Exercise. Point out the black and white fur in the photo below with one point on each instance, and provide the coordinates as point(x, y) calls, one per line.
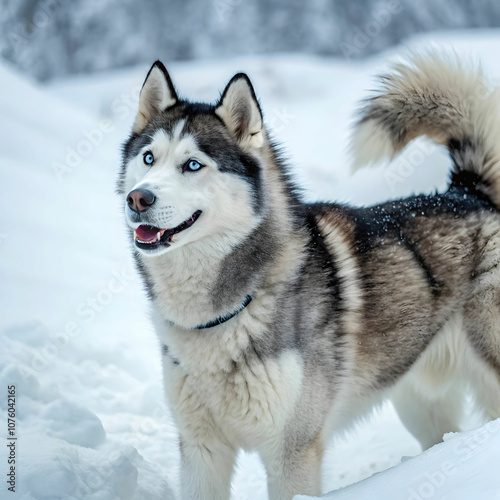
point(349, 305)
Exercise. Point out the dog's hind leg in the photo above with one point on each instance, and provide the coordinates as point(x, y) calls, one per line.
point(430, 397)
point(428, 416)
point(482, 322)
point(485, 384)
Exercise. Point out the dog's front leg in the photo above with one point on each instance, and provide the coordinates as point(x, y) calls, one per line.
point(206, 471)
point(295, 470)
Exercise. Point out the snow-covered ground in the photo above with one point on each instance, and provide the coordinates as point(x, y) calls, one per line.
point(76, 338)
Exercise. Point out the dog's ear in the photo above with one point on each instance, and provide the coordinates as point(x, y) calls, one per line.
point(157, 94)
point(239, 110)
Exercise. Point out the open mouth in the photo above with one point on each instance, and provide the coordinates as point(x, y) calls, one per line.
point(149, 237)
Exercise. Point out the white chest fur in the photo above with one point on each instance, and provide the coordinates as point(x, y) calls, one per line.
point(222, 389)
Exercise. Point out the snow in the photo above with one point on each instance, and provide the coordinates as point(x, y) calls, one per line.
point(460, 468)
point(76, 337)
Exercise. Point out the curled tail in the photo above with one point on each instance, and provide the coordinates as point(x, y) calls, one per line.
point(445, 100)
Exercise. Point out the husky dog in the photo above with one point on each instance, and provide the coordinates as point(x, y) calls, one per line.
point(282, 321)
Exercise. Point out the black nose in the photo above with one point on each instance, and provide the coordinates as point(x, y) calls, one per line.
point(140, 199)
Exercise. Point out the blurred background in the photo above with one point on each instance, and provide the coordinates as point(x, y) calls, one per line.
point(48, 39)
point(75, 331)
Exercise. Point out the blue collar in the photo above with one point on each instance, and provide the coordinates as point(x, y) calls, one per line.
point(227, 317)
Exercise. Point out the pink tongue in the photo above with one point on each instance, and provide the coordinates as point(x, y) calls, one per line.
point(147, 233)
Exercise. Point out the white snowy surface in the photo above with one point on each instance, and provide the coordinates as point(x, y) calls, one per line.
point(461, 468)
point(75, 333)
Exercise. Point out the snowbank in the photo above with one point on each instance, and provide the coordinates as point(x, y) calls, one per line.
point(461, 468)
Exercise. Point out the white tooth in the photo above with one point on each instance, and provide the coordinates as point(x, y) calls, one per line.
point(158, 236)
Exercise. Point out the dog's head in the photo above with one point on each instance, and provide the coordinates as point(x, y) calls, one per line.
point(191, 171)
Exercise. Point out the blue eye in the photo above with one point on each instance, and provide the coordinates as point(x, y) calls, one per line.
point(148, 158)
point(192, 166)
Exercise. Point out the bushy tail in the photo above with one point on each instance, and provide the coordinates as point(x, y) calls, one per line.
point(444, 99)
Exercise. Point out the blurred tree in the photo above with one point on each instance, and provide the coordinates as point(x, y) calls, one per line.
point(50, 38)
